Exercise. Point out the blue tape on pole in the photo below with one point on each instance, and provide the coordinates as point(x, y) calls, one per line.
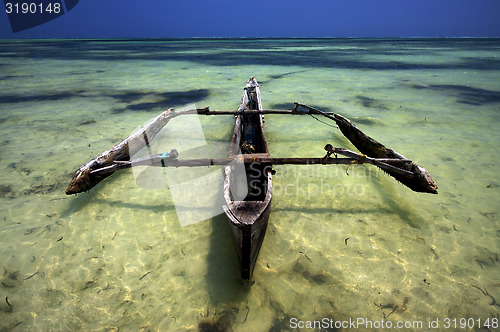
point(163, 158)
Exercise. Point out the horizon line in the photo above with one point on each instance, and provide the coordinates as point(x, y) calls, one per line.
point(262, 38)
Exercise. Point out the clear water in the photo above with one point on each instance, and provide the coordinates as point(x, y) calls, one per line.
point(338, 246)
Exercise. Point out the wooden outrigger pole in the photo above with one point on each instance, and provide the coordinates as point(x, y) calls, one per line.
point(170, 160)
point(91, 173)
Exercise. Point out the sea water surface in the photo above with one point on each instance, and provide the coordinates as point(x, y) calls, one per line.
point(342, 244)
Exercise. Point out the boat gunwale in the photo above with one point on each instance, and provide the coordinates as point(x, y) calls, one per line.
point(248, 219)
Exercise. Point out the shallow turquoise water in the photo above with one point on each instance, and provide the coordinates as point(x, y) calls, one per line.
point(338, 246)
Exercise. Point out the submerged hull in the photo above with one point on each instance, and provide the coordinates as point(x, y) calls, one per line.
point(248, 217)
point(248, 222)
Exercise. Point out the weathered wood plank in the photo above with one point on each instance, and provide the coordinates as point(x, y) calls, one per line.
point(421, 181)
point(159, 160)
point(84, 180)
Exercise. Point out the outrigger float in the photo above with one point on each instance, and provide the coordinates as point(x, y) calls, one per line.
point(248, 218)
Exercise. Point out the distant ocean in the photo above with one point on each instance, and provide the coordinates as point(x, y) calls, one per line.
point(342, 244)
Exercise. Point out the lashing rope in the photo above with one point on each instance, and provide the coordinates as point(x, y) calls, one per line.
point(315, 118)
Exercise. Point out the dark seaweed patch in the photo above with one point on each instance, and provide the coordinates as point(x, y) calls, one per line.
point(119, 110)
point(148, 106)
point(162, 100)
point(370, 102)
point(280, 325)
point(365, 101)
point(8, 77)
point(135, 99)
point(14, 275)
point(42, 189)
point(465, 94)
point(331, 56)
point(6, 99)
point(88, 72)
point(283, 106)
point(84, 123)
point(480, 63)
point(6, 191)
point(319, 279)
point(470, 95)
point(219, 325)
point(21, 170)
point(131, 96)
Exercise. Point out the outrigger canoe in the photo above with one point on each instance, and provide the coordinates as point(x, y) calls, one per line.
point(249, 215)
point(248, 218)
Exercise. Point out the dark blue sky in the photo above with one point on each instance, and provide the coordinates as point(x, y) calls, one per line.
point(269, 18)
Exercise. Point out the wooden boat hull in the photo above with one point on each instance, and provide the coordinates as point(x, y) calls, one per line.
point(249, 216)
point(248, 222)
